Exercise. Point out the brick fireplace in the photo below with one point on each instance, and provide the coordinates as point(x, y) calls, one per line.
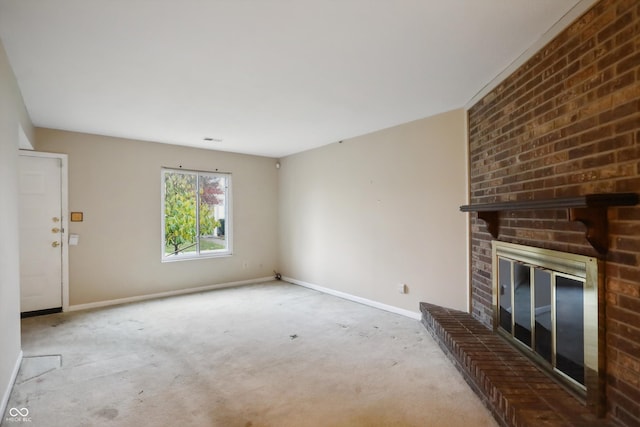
point(566, 124)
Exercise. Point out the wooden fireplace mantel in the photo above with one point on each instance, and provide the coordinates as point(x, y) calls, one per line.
point(590, 209)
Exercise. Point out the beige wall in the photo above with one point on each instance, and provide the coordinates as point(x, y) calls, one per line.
point(12, 116)
point(364, 215)
point(116, 183)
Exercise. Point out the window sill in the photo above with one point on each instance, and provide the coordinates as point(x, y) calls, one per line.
point(177, 258)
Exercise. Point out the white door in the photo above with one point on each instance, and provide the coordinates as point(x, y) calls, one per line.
point(40, 233)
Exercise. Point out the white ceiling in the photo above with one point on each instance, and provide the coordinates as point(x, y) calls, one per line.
point(268, 77)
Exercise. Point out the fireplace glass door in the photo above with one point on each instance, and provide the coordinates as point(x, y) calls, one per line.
point(543, 310)
point(546, 303)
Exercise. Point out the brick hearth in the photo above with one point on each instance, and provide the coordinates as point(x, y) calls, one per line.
point(516, 391)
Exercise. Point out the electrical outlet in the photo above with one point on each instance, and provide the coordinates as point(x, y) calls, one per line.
point(402, 288)
point(245, 265)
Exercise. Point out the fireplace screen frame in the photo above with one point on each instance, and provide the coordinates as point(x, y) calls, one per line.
point(587, 270)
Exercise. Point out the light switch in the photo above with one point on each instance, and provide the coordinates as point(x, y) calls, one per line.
point(73, 239)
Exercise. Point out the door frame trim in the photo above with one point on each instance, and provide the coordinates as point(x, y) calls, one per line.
point(64, 202)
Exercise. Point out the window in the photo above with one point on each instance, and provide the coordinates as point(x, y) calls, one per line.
point(196, 220)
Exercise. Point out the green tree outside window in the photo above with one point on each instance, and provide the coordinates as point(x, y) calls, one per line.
point(194, 221)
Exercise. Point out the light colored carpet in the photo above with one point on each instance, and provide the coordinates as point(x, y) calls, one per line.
point(273, 354)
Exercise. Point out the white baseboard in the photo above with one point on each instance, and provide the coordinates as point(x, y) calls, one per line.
point(407, 313)
point(107, 303)
point(7, 392)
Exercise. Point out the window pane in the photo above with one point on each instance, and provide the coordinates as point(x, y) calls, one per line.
point(542, 300)
point(504, 297)
point(522, 302)
point(212, 213)
point(570, 327)
point(179, 213)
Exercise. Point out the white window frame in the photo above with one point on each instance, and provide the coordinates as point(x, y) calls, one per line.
point(228, 218)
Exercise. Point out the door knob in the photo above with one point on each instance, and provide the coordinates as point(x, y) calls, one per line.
point(55, 230)
point(55, 244)
point(55, 219)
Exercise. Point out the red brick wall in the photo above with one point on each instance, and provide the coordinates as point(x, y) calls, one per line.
point(567, 123)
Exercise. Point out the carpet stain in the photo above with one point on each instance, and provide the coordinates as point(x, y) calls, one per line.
point(58, 322)
point(107, 412)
